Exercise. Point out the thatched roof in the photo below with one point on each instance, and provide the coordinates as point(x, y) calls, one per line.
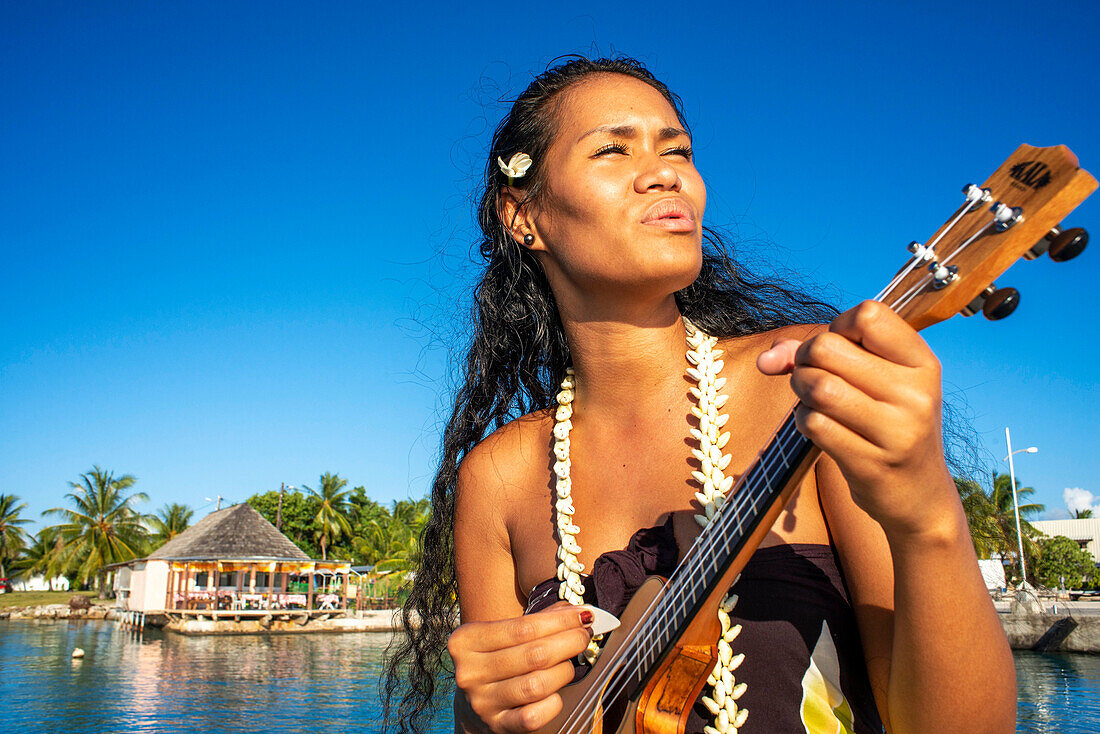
point(237, 532)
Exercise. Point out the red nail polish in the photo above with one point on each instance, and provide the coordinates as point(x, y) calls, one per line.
point(587, 617)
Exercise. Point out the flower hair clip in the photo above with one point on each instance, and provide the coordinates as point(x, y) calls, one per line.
point(516, 167)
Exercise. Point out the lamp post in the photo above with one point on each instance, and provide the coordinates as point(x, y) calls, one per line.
point(1015, 499)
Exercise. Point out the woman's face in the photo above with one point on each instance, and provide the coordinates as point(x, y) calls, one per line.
point(623, 204)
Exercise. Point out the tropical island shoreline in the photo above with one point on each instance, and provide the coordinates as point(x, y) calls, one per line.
point(368, 620)
point(1064, 627)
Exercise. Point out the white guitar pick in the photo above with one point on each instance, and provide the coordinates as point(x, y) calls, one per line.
point(603, 621)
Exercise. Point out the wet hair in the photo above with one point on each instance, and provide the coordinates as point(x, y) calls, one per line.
point(517, 356)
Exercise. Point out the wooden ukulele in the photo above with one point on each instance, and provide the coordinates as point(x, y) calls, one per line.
point(654, 666)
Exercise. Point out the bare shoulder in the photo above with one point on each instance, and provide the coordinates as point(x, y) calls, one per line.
point(494, 479)
point(495, 473)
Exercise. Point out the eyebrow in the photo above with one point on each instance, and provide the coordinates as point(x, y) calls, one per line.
point(629, 131)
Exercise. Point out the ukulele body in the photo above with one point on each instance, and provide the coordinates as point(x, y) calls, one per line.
point(662, 706)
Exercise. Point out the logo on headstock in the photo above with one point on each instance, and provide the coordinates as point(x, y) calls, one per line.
point(1035, 174)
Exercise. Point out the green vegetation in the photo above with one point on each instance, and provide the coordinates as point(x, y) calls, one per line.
point(170, 521)
point(331, 521)
point(38, 598)
point(12, 536)
point(1062, 563)
point(1084, 514)
point(992, 520)
point(101, 527)
point(387, 538)
point(391, 539)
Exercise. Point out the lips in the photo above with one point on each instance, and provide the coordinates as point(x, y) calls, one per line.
point(671, 214)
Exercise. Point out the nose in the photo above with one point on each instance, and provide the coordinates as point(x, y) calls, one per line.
point(657, 173)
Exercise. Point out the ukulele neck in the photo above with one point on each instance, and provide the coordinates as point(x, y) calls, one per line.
point(781, 464)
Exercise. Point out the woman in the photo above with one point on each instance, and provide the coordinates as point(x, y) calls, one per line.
point(863, 607)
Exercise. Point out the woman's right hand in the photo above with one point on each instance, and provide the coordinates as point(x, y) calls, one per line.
point(510, 671)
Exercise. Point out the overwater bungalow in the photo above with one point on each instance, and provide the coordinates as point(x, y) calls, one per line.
point(232, 564)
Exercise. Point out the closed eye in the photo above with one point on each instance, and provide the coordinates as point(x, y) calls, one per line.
point(611, 148)
point(685, 151)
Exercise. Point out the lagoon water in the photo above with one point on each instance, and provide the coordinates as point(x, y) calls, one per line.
point(311, 683)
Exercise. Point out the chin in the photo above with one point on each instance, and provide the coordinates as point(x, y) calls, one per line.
point(666, 275)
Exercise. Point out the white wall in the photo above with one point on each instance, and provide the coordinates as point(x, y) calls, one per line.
point(137, 587)
point(156, 585)
point(39, 583)
point(993, 573)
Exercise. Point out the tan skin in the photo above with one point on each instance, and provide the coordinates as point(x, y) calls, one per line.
point(870, 391)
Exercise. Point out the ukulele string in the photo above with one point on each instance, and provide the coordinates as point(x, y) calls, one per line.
point(931, 247)
point(914, 291)
point(696, 558)
point(693, 561)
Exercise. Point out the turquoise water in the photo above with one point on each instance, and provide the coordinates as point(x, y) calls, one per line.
point(311, 683)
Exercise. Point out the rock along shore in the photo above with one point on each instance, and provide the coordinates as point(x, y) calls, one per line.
point(387, 620)
point(59, 611)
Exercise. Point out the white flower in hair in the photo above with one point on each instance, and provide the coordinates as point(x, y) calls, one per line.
point(516, 167)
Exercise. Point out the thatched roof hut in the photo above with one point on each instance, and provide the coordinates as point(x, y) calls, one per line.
point(232, 563)
point(238, 532)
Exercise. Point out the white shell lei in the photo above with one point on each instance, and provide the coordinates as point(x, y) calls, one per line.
point(706, 366)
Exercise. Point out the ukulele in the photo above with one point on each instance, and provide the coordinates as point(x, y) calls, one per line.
point(654, 666)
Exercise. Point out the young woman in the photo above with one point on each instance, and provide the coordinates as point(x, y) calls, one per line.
point(862, 609)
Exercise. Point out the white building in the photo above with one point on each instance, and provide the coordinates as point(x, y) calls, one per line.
point(1085, 532)
point(40, 583)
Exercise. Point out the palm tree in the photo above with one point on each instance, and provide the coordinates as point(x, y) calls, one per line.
point(400, 549)
point(1084, 514)
point(170, 521)
point(102, 527)
point(979, 516)
point(331, 521)
point(992, 517)
point(13, 538)
point(43, 556)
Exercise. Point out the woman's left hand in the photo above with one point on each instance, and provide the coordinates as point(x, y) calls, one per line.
point(870, 397)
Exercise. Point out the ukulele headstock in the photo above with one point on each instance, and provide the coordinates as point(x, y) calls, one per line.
point(1015, 213)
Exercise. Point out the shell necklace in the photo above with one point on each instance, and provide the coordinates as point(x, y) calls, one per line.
point(705, 367)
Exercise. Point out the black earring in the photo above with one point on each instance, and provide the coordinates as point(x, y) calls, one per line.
point(528, 239)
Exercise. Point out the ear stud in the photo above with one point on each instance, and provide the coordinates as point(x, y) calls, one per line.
point(528, 239)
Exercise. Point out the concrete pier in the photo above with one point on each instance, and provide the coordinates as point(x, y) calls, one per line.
point(288, 623)
point(1024, 631)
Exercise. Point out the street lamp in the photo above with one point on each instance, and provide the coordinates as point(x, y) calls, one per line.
point(1015, 499)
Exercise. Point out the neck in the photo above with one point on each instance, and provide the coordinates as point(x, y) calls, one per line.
point(627, 363)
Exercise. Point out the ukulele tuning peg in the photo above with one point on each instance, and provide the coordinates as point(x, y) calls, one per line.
point(994, 303)
point(1061, 244)
point(1068, 244)
point(1002, 302)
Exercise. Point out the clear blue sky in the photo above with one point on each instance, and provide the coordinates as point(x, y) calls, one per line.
point(233, 234)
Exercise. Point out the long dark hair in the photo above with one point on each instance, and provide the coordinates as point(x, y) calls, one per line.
point(519, 353)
